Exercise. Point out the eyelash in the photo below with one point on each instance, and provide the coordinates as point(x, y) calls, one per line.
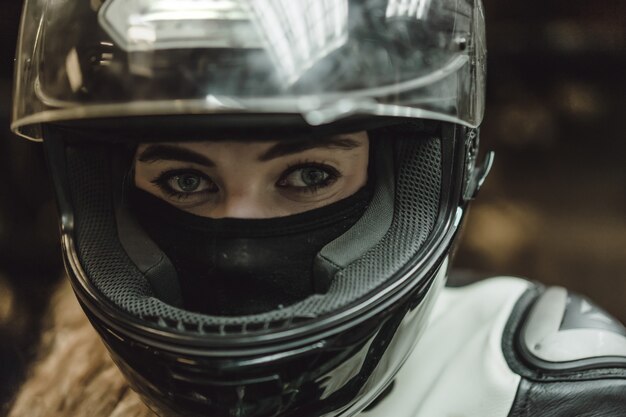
point(333, 175)
point(161, 181)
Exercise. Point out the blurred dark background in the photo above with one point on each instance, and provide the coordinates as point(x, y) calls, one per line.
point(553, 209)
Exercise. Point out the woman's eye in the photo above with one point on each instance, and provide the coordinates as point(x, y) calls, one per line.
point(310, 177)
point(185, 183)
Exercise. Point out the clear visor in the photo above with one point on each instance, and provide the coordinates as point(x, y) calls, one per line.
point(324, 60)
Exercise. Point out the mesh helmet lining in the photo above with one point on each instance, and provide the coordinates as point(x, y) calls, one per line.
point(374, 223)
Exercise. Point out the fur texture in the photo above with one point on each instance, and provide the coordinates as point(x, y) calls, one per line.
point(74, 375)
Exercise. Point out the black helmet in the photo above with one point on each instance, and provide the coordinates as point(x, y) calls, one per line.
point(97, 79)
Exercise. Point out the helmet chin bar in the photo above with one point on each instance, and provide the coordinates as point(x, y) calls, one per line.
point(417, 317)
point(333, 364)
point(372, 351)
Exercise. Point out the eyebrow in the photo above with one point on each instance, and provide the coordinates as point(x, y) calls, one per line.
point(155, 153)
point(293, 147)
point(161, 152)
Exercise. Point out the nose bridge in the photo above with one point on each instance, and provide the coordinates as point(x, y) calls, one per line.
point(242, 182)
point(241, 204)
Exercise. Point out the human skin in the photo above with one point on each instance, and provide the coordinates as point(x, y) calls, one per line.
point(261, 179)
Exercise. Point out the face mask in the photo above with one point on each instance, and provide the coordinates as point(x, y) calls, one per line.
point(245, 266)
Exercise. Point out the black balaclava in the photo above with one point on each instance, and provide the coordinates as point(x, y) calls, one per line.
point(245, 266)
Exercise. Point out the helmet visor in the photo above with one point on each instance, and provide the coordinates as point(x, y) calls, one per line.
point(324, 60)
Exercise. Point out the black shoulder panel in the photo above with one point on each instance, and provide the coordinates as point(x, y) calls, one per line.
point(573, 382)
point(592, 398)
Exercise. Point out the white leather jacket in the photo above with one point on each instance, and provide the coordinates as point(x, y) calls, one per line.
point(505, 347)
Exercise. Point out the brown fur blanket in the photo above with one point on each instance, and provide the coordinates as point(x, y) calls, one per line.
point(73, 375)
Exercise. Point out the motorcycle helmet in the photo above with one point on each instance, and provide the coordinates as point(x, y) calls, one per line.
point(97, 80)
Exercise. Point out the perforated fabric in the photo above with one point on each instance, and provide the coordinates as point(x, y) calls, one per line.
point(101, 255)
point(418, 195)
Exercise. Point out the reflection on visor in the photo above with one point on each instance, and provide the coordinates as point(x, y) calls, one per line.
point(295, 34)
point(408, 8)
point(139, 25)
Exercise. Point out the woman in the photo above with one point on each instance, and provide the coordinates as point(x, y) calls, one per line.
point(244, 248)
